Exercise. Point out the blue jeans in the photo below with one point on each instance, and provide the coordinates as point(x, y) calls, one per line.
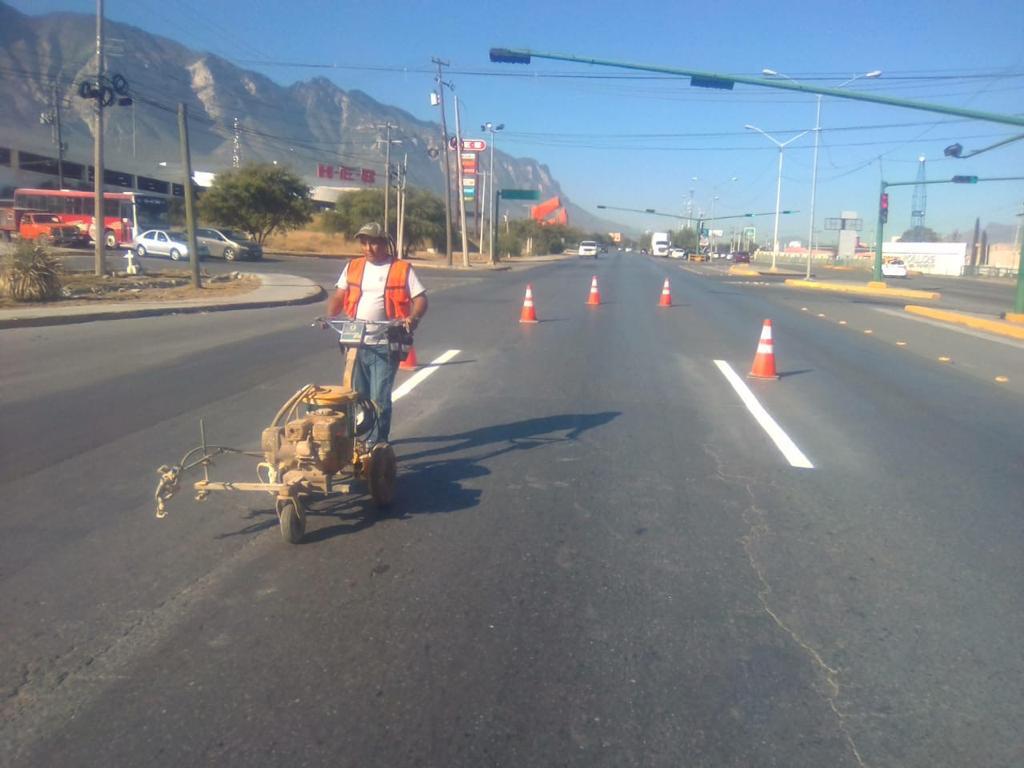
point(373, 377)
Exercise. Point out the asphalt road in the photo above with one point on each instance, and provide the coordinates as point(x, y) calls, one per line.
point(598, 556)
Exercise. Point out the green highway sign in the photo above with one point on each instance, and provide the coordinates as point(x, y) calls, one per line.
point(520, 194)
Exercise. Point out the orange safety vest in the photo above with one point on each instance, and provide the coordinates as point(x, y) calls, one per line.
point(397, 301)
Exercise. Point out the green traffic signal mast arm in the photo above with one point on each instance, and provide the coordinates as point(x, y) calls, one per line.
point(653, 212)
point(717, 80)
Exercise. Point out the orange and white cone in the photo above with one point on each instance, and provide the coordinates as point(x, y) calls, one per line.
point(410, 363)
point(594, 299)
point(764, 360)
point(666, 295)
point(529, 314)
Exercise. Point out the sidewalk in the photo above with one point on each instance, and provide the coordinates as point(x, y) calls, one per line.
point(274, 291)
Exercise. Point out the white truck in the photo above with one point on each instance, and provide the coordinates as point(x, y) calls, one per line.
point(660, 244)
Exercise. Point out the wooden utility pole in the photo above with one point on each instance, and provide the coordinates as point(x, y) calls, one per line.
point(387, 177)
point(447, 164)
point(190, 216)
point(99, 220)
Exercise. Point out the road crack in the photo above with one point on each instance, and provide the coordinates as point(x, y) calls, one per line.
point(757, 525)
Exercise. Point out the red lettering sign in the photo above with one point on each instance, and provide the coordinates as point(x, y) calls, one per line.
point(347, 174)
point(369, 176)
point(325, 171)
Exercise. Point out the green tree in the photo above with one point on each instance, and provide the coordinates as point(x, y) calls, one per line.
point(424, 215)
point(921, 235)
point(258, 199)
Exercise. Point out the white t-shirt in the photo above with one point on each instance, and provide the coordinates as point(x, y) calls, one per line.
point(375, 279)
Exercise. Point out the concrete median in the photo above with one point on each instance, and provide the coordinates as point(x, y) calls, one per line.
point(880, 290)
point(989, 325)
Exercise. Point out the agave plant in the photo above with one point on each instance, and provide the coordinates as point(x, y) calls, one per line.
point(31, 273)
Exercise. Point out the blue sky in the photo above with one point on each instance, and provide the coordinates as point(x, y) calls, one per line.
point(639, 143)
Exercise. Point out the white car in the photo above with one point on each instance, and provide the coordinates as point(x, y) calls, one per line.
point(587, 248)
point(162, 242)
point(676, 253)
point(894, 268)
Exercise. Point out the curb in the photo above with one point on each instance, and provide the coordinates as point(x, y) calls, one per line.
point(311, 292)
point(998, 327)
point(872, 289)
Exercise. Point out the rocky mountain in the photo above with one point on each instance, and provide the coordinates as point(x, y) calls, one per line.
point(304, 125)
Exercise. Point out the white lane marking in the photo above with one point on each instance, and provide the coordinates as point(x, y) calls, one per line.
point(793, 454)
point(421, 374)
point(951, 327)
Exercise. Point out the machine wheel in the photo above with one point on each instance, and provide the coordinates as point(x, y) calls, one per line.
point(175, 254)
point(229, 254)
point(140, 251)
point(110, 239)
point(292, 520)
point(381, 470)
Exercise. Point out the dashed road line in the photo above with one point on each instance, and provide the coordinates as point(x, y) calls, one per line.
point(417, 378)
point(782, 441)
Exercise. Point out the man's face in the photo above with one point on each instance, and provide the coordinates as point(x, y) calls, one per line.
point(373, 249)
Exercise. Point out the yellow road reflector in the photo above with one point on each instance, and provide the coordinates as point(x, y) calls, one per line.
point(803, 309)
point(901, 343)
point(1001, 379)
point(821, 314)
point(868, 332)
point(944, 359)
point(842, 322)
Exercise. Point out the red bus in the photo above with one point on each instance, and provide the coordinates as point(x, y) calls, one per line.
point(125, 214)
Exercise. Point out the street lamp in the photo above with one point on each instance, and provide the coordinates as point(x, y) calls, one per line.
point(817, 140)
point(492, 129)
point(778, 186)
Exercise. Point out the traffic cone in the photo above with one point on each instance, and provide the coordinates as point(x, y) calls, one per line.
point(764, 360)
point(594, 299)
point(410, 363)
point(528, 315)
point(666, 295)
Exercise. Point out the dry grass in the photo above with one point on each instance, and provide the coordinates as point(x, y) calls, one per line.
point(312, 241)
point(85, 288)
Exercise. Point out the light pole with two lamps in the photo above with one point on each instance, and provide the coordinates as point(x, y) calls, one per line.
point(817, 140)
point(778, 186)
point(492, 129)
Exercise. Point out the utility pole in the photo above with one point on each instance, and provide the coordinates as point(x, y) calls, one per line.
point(236, 146)
point(400, 206)
point(190, 218)
point(447, 165)
point(387, 176)
point(60, 139)
point(99, 220)
point(462, 190)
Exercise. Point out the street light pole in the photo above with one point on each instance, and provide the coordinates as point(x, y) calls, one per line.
point(778, 186)
point(817, 141)
point(492, 189)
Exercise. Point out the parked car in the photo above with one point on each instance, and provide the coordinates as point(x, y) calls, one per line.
point(162, 242)
point(587, 248)
point(894, 268)
point(228, 244)
point(676, 253)
point(741, 257)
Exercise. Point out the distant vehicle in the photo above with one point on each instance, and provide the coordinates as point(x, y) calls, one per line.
point(741, 257)
point(228, 245)
point(161, 242)
point(676, 253)
point(660, 244)
point(629, 250)
point(587, 248)
point(894, 268)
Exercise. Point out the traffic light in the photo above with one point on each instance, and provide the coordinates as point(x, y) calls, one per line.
point(965, 179)
point(883, 207)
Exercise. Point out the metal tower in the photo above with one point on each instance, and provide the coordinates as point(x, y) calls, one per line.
point(920, 202)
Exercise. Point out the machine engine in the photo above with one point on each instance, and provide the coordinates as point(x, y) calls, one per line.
point(309, 449)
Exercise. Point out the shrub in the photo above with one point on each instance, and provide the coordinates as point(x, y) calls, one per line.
point(31, 273)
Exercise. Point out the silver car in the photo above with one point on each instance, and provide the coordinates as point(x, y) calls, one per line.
point(228, 244)
point(163, 242)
